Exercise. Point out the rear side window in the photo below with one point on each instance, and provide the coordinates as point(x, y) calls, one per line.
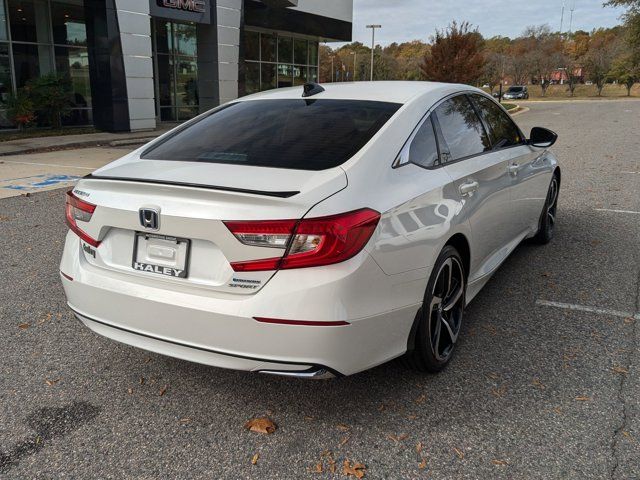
point(424, 149)
point(293, 134)
point(461, 128)
point(502, 130)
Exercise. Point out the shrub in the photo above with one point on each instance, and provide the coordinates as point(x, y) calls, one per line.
point(51, 98)
point(20, 109)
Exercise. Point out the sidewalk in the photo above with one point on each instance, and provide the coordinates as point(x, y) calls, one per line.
point(42, 144)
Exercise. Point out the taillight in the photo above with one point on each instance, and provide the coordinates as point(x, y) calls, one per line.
point(77, 209)
point(310, 242)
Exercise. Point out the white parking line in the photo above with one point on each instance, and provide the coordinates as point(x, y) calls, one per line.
point(616, 211)
point(585, 308)
point(49, 165)
point(631, 172)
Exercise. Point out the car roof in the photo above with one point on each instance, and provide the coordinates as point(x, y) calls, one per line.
point(386, 91)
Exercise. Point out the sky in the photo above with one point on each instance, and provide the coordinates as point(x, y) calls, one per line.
point(405, 20)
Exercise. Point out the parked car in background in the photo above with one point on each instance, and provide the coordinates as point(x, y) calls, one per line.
point(309, 232)
point(516, 92)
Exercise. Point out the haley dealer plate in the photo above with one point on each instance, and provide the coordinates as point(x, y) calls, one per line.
point(168, 256)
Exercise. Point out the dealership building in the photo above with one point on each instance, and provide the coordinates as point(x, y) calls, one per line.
point(136, 63)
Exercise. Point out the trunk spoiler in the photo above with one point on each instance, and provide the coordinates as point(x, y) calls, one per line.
point(196, 185)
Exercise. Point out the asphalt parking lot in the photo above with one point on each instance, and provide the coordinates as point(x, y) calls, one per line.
point(545, 383)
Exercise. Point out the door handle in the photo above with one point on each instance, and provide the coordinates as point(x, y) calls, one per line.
point(513, 168)
point(468, 188)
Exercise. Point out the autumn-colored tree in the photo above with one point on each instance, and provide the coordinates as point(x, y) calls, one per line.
point(456, 55)
point(599, 58)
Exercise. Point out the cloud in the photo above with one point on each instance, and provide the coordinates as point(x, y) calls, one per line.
point(404, 20)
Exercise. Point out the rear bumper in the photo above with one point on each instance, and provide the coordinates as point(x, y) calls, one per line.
point(220, 330)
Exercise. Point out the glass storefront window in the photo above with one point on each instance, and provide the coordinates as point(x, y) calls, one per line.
point(185, 37)
point(176, 70)
point(268, 47)
point(285, 50)
point(252, 45)
point(285, 76)
point(297, 61)
point(300, 51)
point(31, 61)
point(74, 63)
point(68, 23)
point(163, 37)
point(313, 53)
point(268, 76)
point(5, 85)
point(4, 29)
point(252, 77)
point(30, 21)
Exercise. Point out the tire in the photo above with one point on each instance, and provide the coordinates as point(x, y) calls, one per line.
point(548, 216)
point(440, 319)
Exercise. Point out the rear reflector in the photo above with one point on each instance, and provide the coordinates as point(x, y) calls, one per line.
point(310, 242)
point(77, 209)
point(304, 323)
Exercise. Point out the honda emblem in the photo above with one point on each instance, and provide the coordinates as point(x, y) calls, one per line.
point(150, 218)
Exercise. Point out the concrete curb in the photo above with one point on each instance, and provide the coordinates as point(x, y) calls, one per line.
point(518, 110)
point(77, 145)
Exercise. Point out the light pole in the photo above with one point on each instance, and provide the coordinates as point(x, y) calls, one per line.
point(355, 58)
point(373, 44)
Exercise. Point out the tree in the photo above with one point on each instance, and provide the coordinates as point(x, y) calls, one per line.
point(493, 70)
point(624, 71)
point(456, 55)
point(632, 21)
point(543, 54)
point(598, 59)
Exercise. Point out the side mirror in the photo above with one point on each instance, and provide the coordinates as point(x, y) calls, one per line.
point(542, 137)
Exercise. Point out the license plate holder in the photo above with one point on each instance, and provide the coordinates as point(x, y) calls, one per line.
point(160, 254)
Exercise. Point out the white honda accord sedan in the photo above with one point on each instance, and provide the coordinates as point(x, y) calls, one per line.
point(309, 232)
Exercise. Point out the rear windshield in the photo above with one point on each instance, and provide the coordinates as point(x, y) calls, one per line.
point(295, 134)
point(515, 89)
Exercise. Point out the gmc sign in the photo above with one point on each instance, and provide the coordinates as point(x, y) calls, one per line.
point(198, 11)
point(197, 6)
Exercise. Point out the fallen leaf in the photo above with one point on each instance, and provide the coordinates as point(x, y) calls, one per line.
point(163, 390)
point(185, 420)
point(51, 383)
point(261, 425)
point(423, 464)
point(537, 383)
point(418, 448)
point(499, 462)
point(343, 428)
point(141, 380)
point(23, 326)
point(318, 468)
point(458, 453)
point(620, 370)
point(255, 458)
point(582, 399)
point(629, 321)
point(344, 440)
point(412, 417)
point(130, 391)
point(357, 469)
point(421, 399)
point(499, 392)
point(147, 359)
point(309, 419)
point(558, 410)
